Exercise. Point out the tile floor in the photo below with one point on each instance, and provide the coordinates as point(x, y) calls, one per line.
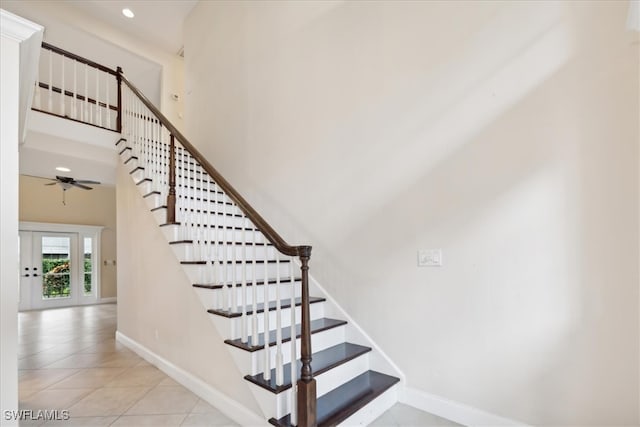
point(69, 360)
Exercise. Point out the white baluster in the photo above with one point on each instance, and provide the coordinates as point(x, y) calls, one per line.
point(294, 357)
point(87, 110)
point(98, 110)
point(234, 261)
point(244, 280)
point(279, 361)
point(267, 353)
point(108, 110)
point(225, 241)
point(62, 91)
point(74, 104)
point(50, 103)
point(254, 292)
point(37, 102)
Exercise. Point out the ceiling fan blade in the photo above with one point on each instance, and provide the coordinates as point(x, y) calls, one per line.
point(39, 177)
point(84, 187)
point(86, 181)
point(52, 183)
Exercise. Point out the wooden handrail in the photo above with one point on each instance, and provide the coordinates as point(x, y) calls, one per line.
point(246, 208)
point(78, 58)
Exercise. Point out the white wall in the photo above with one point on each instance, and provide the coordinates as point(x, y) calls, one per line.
point(505, 133)
point(18, 39)
point(81, 33)
point(157, 306)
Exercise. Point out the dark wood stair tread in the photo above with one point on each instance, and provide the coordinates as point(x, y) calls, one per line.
point(317, 325)
point(344, 401)
point(220, 242)
point(200, 211)
point(321, 362)
point(283, 281)
point(249, 261)
point(286, 303)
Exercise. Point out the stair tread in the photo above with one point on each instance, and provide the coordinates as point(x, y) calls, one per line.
point(283, 280)
point(317, 325)
point(200, 211)
point(344, 401)
point(286, 303)
point(220, 242)
point(321, 362)
point(249, 261)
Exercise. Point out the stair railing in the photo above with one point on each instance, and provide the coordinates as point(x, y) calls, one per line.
point(76, 88)
point(232, 244)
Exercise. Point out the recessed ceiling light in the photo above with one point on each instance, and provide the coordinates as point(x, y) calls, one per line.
point(63, 169)
point(128, 12)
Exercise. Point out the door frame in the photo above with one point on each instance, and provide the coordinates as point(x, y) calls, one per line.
point(81, 231)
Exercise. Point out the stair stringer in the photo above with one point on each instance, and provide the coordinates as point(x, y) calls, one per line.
point(214, 334)
point(273, 405)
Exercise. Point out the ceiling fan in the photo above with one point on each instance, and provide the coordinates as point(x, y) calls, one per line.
point(67, 182)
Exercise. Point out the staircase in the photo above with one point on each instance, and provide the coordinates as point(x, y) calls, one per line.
point(304, 363)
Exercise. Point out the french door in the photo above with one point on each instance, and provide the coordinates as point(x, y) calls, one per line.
point(56, 269)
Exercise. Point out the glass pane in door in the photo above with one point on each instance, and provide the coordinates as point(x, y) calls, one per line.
point(56, 268)
point(88, 265)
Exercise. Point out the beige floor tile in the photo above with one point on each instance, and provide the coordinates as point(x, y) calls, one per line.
point(203, 407)
point(50, 399)
point(88, 360)
point(165, 400)
point(121, 360)
point(174, 420)
point(207, 420)
point(40, 360)
point(404, 415)
point(169, 382)
point(148, 376)
point(41, 378)
point(83, 422)
point(91, 378)
point(108, 401)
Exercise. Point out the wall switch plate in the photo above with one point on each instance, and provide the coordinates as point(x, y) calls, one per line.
point(430, 258)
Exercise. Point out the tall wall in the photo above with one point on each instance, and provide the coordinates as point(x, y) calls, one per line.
point(504, 133)
point(157, 307)
point(40, 203)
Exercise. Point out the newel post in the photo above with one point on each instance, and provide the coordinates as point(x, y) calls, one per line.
point(171, 197)
point(119, 116)
point(306, 383)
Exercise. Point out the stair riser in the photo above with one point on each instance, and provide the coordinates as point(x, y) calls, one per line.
point(279, 405)
point(252, 363)
point(232, 328)
point(194, 252)
point(214, 298)
point(232, 273)
point(179, 232)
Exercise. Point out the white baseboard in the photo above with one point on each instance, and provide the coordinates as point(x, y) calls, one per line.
point(108, 300)
point(214, 397)
point(454, 411)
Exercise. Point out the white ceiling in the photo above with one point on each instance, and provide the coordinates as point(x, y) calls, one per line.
point(156, 22)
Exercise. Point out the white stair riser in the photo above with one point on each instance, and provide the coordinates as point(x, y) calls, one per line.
point(214, 298)
point(179, 232)
point(279, 405)
point(194, 251)
point(199, 273)
point(253, 362)
point(316, 311)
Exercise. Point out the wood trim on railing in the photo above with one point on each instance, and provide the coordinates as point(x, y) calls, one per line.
point(248, 210)
point(78, 96)
point(78, 58)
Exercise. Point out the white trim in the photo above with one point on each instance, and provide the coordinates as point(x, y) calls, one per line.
point(454, 411)
point(62, 228)
point(221, 401)
point(352, 323)
point(17, 28)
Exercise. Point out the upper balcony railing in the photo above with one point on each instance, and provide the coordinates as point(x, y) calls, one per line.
point(77, 88)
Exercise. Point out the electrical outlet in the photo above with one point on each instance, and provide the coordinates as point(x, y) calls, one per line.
point(430, 258)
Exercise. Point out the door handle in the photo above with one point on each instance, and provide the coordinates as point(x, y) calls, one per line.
point(35, 275)
point(25, 275)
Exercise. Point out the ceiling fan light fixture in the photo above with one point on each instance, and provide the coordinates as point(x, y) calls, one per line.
point(63, 169)
point(128, 12)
